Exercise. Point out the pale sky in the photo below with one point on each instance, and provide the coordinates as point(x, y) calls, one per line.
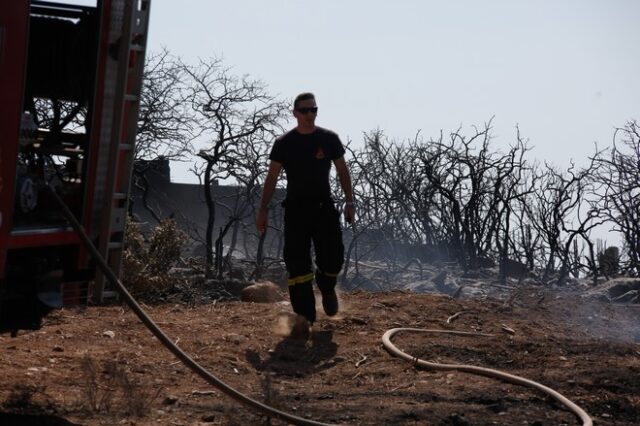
point(566, 71)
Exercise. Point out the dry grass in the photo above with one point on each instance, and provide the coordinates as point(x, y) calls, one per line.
point(111, 388)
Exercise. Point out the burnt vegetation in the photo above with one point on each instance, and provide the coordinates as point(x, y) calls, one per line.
point(456, 199)
point(453, 198)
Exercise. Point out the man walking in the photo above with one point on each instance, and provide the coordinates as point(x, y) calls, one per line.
point(306, 153)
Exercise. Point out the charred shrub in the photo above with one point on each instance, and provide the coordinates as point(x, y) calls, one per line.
point(146, 263)
point(609, 261)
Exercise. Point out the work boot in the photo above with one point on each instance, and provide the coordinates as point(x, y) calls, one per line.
point(330, 302)
point(303, 300)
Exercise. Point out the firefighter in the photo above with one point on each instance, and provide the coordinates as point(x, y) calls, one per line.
point(306, 153)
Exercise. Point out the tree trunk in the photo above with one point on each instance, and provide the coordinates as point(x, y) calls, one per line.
point(218, 254)
point(211, 219)
point(504, 249)
point(143, 183)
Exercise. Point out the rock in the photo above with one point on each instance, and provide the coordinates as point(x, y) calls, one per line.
point(208, 418)
point(261, 292)
point(109, 334)
point(170, 400)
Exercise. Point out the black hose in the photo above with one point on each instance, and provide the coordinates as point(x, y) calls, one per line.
point(163, 338)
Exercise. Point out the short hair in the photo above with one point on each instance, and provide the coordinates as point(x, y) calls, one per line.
point(302, 97)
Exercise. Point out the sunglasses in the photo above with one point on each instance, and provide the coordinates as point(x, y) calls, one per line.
point(306, 110)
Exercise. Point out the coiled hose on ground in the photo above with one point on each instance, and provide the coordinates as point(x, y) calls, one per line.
point(263, 408)
point(487, 372)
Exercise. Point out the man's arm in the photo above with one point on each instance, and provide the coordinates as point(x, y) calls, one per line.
point(267, 193)
point(345, 182)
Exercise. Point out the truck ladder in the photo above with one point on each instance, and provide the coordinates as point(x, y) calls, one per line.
point(131, 56)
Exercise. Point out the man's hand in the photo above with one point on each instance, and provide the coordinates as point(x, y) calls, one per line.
point(261, 221)
point(349, 212)
point(345, 182)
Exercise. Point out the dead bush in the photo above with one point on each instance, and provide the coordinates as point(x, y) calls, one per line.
point(98, 397)
point(110, 388)
point(609, 261)
point(165, 246)
point(145, 264)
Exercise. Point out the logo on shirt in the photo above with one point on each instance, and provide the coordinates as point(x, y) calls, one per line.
point(319, 154)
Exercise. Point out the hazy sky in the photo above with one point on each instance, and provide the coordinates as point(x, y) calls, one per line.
point(566, 72)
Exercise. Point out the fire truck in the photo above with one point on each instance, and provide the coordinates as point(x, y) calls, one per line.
point(70, 80)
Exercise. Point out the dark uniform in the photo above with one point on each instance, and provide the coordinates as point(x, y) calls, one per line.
point(310, 215)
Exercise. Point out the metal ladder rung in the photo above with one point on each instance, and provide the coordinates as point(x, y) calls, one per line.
point(114, 245)
point(119, 196)
point(130, 98)
point(125, 147)
point(109, 294)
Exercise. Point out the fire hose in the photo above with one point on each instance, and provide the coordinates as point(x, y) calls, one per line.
point(164, 339)
point(487, 372)
point(263, 408)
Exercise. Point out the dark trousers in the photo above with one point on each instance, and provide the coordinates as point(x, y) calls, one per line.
point(306, 223)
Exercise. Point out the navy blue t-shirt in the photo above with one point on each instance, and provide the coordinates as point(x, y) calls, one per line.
point(306, 160)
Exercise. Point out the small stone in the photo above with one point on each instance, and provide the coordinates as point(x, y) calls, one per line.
point(208, 418)
point(58, 349)
point(170, 400)
point(109, 334)
point(261, 292)
point(235, 338)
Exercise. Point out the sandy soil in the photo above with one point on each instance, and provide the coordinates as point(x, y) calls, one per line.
point(100, 366)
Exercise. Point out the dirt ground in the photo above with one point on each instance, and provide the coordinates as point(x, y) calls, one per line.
point(100, 366)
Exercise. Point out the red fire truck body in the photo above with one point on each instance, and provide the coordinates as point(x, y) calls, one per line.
point(70, 77)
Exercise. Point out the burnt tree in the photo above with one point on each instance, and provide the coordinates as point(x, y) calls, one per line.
point(229, 109)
